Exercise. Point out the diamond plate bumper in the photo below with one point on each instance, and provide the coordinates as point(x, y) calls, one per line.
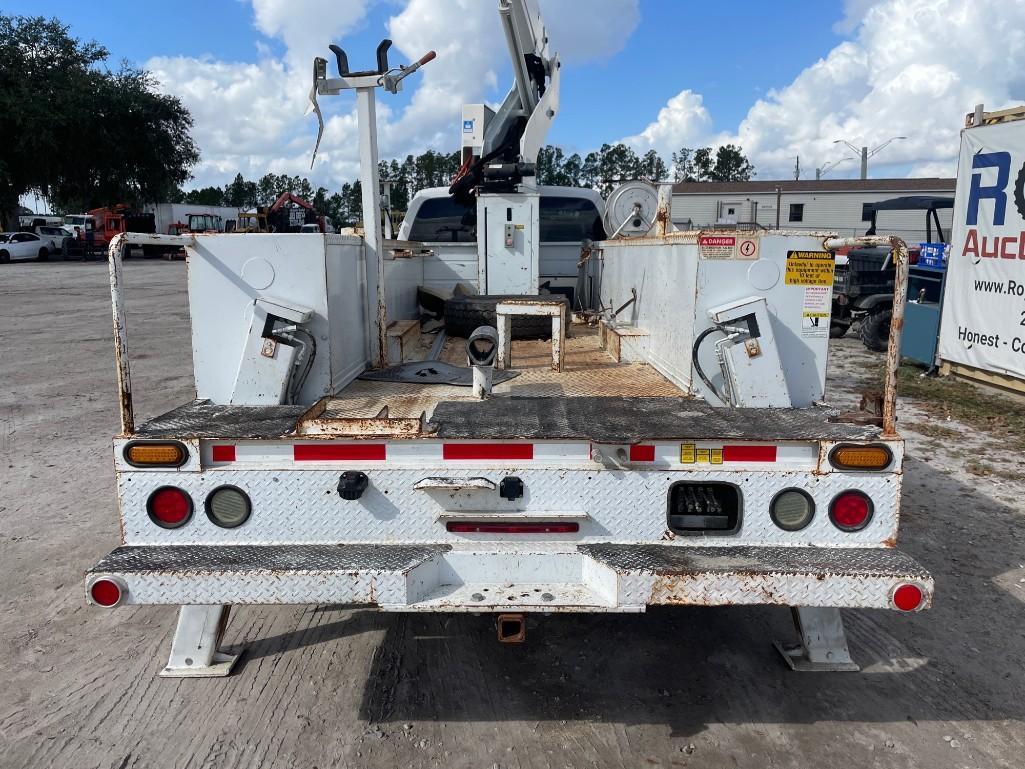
point(602, 577)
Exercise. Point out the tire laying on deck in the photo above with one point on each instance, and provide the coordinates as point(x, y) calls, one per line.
point(463, 314)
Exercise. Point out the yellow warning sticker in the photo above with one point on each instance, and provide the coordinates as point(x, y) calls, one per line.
point(687, 454)
point(809, 268)
point(716, 456)
point(704, 455)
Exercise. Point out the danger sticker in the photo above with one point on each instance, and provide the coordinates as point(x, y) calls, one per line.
point(717, 246)
point(809, 268)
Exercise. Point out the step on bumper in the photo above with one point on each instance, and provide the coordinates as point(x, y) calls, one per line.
point(592, 577)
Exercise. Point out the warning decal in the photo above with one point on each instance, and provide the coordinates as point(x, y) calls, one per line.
point(815, 311)
point(747, 248)
point(717, 246)
point(809, 268)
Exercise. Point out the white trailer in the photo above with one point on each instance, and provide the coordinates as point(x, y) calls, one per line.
point(169, 216)
point(667, 445)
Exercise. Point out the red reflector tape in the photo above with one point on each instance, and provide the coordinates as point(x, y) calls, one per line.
point(488, 451)
point(223, 453)
point(464, 527)
point(749, 453)
point(642, 453)
point(327, 452)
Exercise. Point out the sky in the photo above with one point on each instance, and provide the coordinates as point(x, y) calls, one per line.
point(782, 79)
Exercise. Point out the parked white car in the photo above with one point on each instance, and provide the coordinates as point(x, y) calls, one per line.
point(54, 237)
point(22, 245)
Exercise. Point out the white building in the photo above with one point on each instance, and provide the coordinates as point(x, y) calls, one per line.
point(832, 205)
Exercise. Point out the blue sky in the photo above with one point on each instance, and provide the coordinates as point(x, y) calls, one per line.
point(783, 78)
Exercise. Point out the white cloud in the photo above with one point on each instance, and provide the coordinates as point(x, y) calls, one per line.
point(913, 68)
point(683, 122)
point(249, 117)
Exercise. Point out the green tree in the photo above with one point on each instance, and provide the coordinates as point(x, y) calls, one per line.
point(79, 134)
point(208, 196)
point(652, 167)
point(241, 193)
point(731, 165)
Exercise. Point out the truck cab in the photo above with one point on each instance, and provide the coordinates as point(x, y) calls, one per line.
point(567, 218)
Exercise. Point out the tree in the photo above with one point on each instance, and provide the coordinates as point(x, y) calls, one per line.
point(726, 164)
point(241, 193)
point(208, 196)
point(78, 134)
point(731, 165)
point(652, 167)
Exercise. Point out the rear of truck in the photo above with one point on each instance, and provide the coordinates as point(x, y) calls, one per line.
point(598, 474)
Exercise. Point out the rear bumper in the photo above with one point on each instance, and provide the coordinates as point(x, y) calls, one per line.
point(585, 578)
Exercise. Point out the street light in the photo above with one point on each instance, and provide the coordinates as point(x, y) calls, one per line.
point(865, 153)
point(820, 172)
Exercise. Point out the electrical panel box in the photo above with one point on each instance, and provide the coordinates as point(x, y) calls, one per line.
point(476, 118)
point(753, 374)
point(507, 253)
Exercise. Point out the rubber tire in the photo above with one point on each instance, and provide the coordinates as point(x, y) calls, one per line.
point(44, 255)
point(4, 257)
point(464, 314)
point(875, 330)
point(837, 329)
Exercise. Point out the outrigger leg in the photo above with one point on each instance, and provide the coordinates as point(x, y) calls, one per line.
point(823, 644)
point(194, 648)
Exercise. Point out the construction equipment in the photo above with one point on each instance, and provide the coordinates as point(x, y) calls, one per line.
point(668, 446)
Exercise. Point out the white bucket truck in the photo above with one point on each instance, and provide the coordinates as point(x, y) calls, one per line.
point(664, 442)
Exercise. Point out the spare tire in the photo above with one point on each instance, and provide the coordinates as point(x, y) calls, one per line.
point(464, 314)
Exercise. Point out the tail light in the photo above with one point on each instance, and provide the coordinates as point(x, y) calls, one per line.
point(851, 510)
point(849, 456)
point(228, 507)
point(156, 454)
point(908, 597)
point(107, 592)
point(169, 507)
point(792, 509)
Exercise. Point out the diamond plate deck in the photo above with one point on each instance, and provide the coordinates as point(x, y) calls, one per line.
point(227, 558)
point(202, 419)
point(630, 420)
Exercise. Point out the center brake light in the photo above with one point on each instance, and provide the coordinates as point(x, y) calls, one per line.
point(474, 527)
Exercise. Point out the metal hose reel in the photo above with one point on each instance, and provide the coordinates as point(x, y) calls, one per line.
point(630, 210)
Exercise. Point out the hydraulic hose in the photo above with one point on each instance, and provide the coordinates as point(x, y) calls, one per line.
point(697, 362)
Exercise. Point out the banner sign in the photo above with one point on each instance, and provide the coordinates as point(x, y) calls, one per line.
point(983, 321)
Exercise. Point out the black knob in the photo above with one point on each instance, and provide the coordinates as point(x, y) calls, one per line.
point(352, 484)
point(510, 488)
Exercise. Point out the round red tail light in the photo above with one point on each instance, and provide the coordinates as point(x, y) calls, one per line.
point(169, 507)
point(850, 511)
point(106, 592)
point(908, 597)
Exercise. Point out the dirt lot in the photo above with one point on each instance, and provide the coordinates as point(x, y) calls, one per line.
point(326, 687)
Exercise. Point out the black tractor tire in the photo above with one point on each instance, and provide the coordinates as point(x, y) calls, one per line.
point(875, 330)
point(4, 257)
point(838, 329)
point(464, 314)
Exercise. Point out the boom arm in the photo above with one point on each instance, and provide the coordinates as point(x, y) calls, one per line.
point(532, 64)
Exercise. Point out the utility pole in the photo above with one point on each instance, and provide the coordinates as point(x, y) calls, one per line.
point(797, 169)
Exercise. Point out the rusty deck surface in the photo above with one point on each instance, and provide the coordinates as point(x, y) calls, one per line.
point(589, 372)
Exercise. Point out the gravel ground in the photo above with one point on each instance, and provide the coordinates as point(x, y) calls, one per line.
point(322, 687)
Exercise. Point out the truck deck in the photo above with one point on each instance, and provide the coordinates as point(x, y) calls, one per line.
point(594, 398)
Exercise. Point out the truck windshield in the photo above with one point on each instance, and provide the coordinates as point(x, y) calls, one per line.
point(569, 220)
point(444, 220)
